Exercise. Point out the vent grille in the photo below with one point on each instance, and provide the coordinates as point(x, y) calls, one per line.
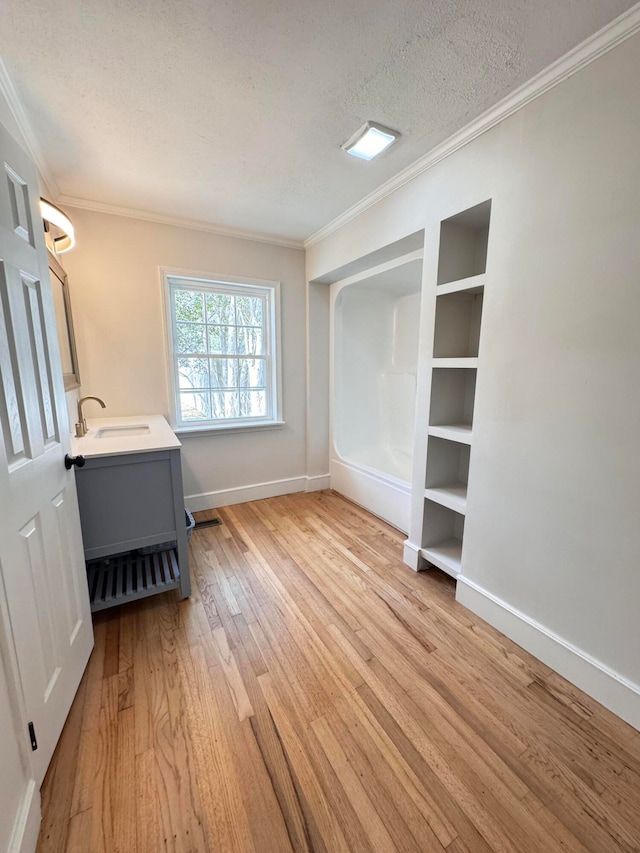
point(128, 577)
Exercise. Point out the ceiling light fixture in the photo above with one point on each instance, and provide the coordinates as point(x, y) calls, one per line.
point(61, 234)
point(372, 139)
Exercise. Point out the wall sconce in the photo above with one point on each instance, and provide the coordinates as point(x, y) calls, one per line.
point(58, 226)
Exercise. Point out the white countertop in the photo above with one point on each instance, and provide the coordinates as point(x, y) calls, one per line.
point(113, 436)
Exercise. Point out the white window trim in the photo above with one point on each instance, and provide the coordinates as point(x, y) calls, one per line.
point(200, 280)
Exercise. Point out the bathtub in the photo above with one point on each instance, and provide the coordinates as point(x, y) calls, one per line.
point(374, 332)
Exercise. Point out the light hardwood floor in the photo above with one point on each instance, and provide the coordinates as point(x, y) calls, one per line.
point(316, 695)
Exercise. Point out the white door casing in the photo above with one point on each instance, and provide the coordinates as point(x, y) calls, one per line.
point(46, 627)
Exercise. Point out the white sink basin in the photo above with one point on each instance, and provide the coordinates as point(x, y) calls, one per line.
point(128, 434)
point(123, 431)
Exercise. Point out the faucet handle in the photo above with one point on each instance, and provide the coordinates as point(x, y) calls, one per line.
point(79, 430)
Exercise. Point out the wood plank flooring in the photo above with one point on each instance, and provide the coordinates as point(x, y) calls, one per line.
point(316, 695)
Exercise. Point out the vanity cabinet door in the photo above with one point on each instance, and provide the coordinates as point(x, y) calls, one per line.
point(127, 501)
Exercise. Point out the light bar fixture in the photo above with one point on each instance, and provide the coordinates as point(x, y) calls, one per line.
point(370, 140)
point(62, 233)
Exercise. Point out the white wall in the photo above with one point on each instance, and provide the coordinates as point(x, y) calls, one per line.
point(116, 298)
point(318, 401)
point(552, 551)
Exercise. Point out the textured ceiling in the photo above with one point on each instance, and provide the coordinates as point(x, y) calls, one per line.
point(232, 112)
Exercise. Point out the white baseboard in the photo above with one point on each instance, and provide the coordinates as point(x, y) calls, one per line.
point(25, 832)
point(318, 482)
point(411, 555)
point(608, 687)
point(256, 492)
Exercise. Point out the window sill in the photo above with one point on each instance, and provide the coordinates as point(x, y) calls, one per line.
point(228, 428)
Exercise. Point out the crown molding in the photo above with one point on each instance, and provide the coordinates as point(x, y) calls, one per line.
point(178, 222)
point(24, 126)
point(620, 29)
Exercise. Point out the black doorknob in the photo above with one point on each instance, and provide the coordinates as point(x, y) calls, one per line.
point(78, 461)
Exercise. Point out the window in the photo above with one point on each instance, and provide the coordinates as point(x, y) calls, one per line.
point(223, 351)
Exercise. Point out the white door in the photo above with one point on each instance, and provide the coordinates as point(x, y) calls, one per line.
point(41, 556)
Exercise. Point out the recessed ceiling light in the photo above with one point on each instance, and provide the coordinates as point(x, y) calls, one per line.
point(371, 140)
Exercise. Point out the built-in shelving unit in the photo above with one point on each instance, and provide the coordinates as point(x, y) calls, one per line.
point(459, 299)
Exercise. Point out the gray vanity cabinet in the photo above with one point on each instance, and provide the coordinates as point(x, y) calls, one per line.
point(133, 501)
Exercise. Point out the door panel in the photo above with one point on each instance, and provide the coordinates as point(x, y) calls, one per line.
point(11, 412)
point(34, 587)
point(19, 795)
point(18, 282)
point(41, 551)
point(10, 794)
point(19, 206)
point(72, 594)
point(40, 349)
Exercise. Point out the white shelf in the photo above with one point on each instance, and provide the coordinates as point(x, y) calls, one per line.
point(453, 432)
point(453, 496)
point(460, 363)
point(473, 284)
point(446, 556)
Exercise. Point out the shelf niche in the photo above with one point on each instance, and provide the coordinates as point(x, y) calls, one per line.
point(447, 472)
point(442, 534)
point(463, 244)
point(452, 397)
point(457, 326)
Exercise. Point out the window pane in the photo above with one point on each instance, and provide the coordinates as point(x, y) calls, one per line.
point(224, 373)
point(222, 339)
point(250, 342)
point(225, 404)
point(189, 306)
point(253, 404)
point(191, 338)
point(248, 311)
point(193, 372)
point(251, 373)
point(220, 309)
point(195, 406)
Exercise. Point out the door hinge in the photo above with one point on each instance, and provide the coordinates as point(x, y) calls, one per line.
point(32, 737)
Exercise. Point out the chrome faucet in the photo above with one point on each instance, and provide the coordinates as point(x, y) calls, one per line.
point(81, 426)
